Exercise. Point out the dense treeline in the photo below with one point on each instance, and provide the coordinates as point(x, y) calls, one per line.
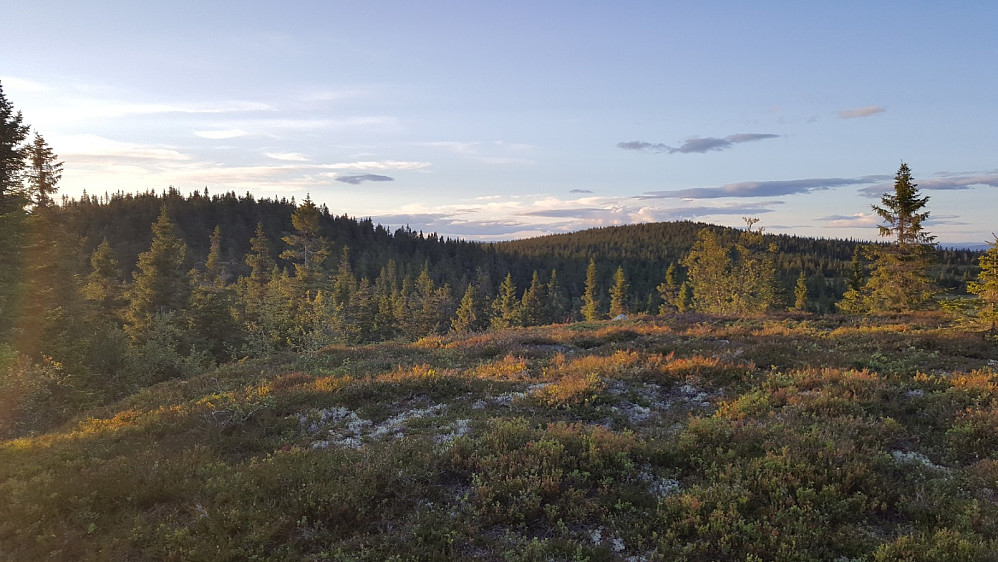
point(646, 250)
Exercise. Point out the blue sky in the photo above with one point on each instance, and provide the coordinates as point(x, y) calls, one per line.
point(511, 119)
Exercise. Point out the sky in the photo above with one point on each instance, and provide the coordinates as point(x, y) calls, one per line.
point(500, 120)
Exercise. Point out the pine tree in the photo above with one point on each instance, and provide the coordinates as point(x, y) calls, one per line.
point(900, 280)
point(618, 294)
point(590, 304)
point(43, 172)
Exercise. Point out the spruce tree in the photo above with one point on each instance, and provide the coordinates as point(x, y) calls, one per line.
point(558, 305)
point(161, 284)
point(800, 293)
point(668, 291)
point(102, 285)
point(684, 302)
point(590, 303)
point(506, 307)
point(618, 294)
point(986, 288)
point(43, 172)
point(533, 304)
point(708, 268)
point(13, 131)
point(307, 249)
point(466, 317)
point(210, 316)
point(900, 280)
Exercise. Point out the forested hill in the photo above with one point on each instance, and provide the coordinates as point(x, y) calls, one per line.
point(644, 251)
point(125, 221)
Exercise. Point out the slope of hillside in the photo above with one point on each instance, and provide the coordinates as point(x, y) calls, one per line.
point(676, 438)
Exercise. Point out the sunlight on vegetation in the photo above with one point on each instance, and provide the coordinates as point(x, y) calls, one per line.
point(227, 378)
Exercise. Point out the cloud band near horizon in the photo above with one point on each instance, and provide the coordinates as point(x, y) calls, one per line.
point(697, 145)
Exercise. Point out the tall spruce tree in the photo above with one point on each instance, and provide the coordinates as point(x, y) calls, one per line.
point(506, 307)
point(161, 284)
point(466, 318)
point(533, 305)
point(800, 293)
point(307, 248)
point(43, 172)
point(13, 131)
point(618, 294)
point(900, 280)
point(590, 301)
point(558, 305)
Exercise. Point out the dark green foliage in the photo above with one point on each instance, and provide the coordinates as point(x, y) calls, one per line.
point(732, 278)
point(900, 279)
point(590, 302)
point(800, 293)
point(506, 307)
point(986, 289)
point(43, 173)
point(161, 283)
point(13, 131)
point(618, 294)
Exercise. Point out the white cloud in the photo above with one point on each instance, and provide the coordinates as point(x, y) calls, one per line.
point(92, 147)
point(377, 165)
point(24, 85)
point(287, 156)
point(220, 134)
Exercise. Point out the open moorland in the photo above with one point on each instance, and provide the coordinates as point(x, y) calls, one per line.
point(682, 437)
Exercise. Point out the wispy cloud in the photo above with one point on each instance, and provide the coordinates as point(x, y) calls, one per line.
point(946, 182)
point(581, 191)
point(221, 134)
point(378, 165)
point(862, 111)
point(453, 224)
point(698, 145)
point(287, 156)
point(858, 220)
point(484, 152)
point(760, 188)
point(356, 180)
